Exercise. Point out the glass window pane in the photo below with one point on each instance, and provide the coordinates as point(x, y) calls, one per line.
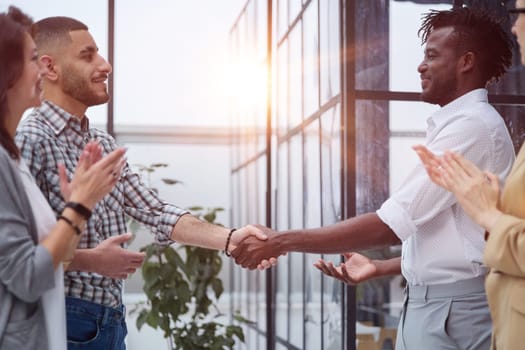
point(262, 342)
point(332, 300)
point(251, 339)
point(405, 20)
point(313, 319)
point(282, 71)
point(372, 133)
point(165, 76)
point(261, 16)
point(312, 176)
point(245, 185)
point(260, 202)
point(311, 60)
point(408, 124)
point(295, 66)
point(297, 270)
point(371, 45)
point(410, 115)
point(236, 199)
point(296, 182)
point(513, 116)
point(373, 173)
point(261, 301)
point(197, 189)
point(282, 18)
point(295, 7)
point(282, 193)
point(331, 166)
point(312, 218)
point(282, 297)
point(253, 199)
point(280, 346)
point(329, 53)
point(403, 159)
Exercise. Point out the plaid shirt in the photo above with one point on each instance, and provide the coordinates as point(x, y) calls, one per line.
point(50, 136)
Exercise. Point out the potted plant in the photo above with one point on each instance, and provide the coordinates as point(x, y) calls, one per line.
point(182, 289)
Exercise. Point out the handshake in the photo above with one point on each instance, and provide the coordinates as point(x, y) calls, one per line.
point(256, 246)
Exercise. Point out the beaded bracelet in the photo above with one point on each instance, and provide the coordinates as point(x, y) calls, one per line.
point(228, 242)
point(77, 229)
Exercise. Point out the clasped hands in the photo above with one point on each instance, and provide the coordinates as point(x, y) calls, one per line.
point(251, 252)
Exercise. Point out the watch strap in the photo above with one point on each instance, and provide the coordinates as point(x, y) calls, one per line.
point(80, 209)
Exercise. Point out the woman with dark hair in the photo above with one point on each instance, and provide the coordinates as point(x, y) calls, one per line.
point(33, 244)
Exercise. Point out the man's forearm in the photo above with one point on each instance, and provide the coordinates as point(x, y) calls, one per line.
point(363, 232)
point(192, 231)
point(83, 260)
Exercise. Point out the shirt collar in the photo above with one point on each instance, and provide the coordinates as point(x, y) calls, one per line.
point(449, 111)
point(59, 119)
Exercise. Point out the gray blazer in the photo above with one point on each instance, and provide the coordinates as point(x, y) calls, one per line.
point(26, 269)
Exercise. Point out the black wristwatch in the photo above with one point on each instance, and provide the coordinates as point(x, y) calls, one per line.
point(80, 209)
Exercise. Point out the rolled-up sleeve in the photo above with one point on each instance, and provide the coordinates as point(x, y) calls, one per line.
point(144, 205)
point(417, 202)
point(397, 218)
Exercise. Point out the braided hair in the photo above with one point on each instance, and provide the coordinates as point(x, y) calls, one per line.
point(478, 31)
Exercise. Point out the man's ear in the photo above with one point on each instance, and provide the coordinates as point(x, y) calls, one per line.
point(49, 63)
point(467, 61)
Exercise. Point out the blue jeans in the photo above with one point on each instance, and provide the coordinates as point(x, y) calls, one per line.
point(92, 326)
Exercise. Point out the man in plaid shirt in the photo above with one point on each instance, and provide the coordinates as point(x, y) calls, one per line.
point(56, 133)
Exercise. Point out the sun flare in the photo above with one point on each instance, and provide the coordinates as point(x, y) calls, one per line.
point(247, 84)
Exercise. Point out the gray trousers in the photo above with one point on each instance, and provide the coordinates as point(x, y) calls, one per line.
point(452, 316)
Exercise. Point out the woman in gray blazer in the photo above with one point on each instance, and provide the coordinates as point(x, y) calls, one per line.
point(33, 243)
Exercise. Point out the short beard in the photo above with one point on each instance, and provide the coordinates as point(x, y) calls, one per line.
point(77, 87)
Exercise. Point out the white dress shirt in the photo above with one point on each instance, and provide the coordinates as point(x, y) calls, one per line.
point(441, 244)
point(53, 301)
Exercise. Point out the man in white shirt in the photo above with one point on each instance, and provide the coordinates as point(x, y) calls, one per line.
point(446, 306)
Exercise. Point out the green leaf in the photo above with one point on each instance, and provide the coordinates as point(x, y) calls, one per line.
point(153, 320)
point(133, 226)
point(158, 165)
point(196, 208)
point(235, 330)
point(237, 317)
point(172, 182)
point(176, 260)
point(216, 285)
point(140, 167)
point(141, 319)
point(210, 217)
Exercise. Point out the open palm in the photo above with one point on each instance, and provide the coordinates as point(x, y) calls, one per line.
point(357, 268)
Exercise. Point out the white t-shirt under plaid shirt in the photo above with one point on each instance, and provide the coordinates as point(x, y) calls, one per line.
point(51, 136)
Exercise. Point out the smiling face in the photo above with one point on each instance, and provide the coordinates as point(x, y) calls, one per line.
point(438, 71)
point(83, 71)
point(26, 92)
